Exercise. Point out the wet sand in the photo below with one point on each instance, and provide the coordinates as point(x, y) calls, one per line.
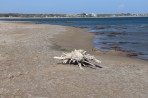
point(28, 70)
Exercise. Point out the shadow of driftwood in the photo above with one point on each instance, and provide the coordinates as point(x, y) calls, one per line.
point(84, 64)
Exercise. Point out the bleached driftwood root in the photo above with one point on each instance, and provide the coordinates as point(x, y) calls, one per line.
point(80, 58)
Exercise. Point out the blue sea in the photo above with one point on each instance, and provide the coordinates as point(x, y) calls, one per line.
point(124, 34)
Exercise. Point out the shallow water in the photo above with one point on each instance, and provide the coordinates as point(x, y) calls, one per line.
point(127, 34)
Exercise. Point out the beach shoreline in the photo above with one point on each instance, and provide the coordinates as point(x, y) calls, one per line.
point(27, 67)
point(120, 39)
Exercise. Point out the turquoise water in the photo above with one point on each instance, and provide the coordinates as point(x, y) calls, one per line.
point(126, 34)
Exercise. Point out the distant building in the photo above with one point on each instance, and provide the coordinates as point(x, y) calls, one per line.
point(94, 15)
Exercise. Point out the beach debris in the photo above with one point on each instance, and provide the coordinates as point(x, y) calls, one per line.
point(80, 58)
point(132, 54)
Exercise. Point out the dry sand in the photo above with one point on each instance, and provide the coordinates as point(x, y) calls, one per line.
point(28, 70)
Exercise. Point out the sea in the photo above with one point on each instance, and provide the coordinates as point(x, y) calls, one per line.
point(128, 34)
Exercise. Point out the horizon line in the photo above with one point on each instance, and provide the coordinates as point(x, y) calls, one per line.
point(73, 13)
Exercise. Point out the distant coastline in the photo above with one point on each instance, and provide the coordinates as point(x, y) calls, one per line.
point(68, 17)
point(82, 15)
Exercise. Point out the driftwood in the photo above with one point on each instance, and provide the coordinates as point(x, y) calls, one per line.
point(80, 58)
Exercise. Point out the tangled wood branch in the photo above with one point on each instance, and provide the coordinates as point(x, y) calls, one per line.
point(80, 58)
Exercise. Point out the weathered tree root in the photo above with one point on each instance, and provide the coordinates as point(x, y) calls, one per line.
point(80, 58)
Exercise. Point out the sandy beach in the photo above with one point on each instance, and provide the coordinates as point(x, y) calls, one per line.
point(28, 70)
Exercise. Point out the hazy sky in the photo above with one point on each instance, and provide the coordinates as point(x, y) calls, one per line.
point(74, 6)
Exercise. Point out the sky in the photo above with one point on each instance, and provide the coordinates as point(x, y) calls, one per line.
point(73, 6)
